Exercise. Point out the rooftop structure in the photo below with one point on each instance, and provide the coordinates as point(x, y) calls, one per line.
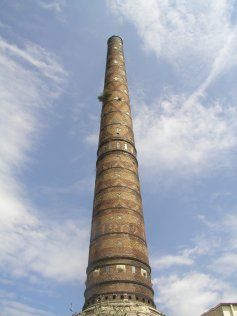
point(223, 309)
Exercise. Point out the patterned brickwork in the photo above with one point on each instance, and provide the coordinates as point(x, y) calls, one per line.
point(118, 221)
point(118, 264)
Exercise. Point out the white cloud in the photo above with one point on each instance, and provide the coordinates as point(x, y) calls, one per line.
point(189, 34)
point(188, 139)
point(202, 276)
point(191, 293)
point(31, 78)
point(228, 224)
point(226, 264)
point(92, 138)
point(171, 260)
point(222, 62)
point(10, 305)
point(185, 257)
point(35, 56)
point(224, 227)
point(178, 132)
point(185, 133)
point(52, 5)
point(85, 184)
point(15, 308)
point(45, 249)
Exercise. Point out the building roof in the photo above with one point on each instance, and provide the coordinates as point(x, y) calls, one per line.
point(217, 306)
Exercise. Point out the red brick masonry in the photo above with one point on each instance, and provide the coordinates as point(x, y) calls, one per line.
point(118, 264)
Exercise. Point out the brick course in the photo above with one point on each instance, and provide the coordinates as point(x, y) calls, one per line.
point(118, 257)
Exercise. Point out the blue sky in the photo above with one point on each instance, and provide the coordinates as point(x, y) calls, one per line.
point(182, 67)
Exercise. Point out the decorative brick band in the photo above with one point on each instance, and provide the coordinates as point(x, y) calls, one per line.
point(118, 260)
point(118, 257)
point(118, 233)
point(117, 282)
point(118, 167)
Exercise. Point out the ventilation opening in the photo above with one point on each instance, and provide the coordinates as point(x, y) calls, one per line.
point(144, 273)
point(118, 130)
point(121, 268)
point(96, 271)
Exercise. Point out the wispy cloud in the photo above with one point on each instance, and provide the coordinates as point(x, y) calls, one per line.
point(15, 308)
point(179, 294)
point(85, 184)
point(226, 264)
point(31, 78)
point(189, 35)
point(225, 261)
point(11, 305)
point(200, 276)
point(185, 257)
point(179, 134)
point(172, 260)
point(52, 5)
point(171, 136)
point(185, 132)
point(92, 138)
point(37, 57)
point(48, 250)
point(222, 62)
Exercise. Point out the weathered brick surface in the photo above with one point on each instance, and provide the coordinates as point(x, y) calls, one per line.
point(117, 197)
point(118, 257)
point(115, 160)
point(118, 221)
point(120, 146)
point(117, 177)
point(116, 106)
point(121, 261)
point(118, 245)
point(107, 306)
point(110, 272)
point(112, 71)
point(116, 117)
point(116, 131)
point(119, 287)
